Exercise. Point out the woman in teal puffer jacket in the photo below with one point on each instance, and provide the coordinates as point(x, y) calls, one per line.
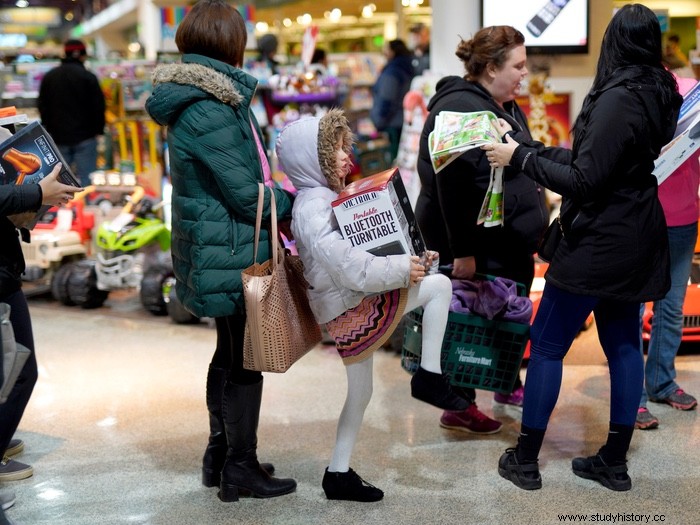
point(217, 161)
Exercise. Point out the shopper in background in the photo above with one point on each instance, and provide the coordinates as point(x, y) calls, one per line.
point(267, 49)
point(391, 86)
point(614, 252)
point(679, 199)
point(72, 109)
point(217, 160)
point(360, 297)
point(449, 202)
point(17, 205)
point(419, 42)
point(674, 58)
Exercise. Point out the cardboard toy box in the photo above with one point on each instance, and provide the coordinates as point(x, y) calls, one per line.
point(374, 213)
point(687, 137)
point(30, 155)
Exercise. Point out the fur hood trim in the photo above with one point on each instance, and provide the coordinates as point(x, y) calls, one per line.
point(209, 80)
point(332, 126)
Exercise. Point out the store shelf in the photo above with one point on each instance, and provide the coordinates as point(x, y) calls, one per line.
point(304, 98)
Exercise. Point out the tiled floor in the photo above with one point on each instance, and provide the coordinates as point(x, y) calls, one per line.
point(117, 425)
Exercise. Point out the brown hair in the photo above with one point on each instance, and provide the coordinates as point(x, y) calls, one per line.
point(214, 29)
point(489, 45)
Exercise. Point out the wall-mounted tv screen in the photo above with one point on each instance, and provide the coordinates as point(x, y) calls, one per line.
point(549, 26)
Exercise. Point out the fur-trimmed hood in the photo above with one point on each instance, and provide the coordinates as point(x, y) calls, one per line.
point(306, 150)
point(196, 78)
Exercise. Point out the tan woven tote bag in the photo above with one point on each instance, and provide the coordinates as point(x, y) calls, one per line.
point(280, 327)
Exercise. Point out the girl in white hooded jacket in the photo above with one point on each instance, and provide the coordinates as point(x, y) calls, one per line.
point(360, 297)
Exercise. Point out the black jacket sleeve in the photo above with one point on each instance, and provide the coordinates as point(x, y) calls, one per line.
point(19, 199)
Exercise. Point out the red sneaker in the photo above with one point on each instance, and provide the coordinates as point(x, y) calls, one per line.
point(470, 420)
point(515, 398)
point(645, 420)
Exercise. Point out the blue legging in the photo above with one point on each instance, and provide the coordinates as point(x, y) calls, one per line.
point(559, 319)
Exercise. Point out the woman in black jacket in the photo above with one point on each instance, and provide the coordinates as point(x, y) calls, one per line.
point(614, 252)
point(17, 204)
point(449, 202)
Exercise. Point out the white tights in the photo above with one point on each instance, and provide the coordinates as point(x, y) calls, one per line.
point(434, 294)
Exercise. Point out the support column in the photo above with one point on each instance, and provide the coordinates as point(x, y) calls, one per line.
point(451, 21)
point(149, 30)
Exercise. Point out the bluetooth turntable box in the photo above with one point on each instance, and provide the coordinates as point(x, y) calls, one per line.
point(374, 213)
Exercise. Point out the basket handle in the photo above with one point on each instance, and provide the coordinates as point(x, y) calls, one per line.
point(273, 221)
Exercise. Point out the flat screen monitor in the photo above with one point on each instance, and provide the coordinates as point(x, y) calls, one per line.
point(550, 27)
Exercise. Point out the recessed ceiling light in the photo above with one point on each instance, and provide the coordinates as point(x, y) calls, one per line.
point(22, 3)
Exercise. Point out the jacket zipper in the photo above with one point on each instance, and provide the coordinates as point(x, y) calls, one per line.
point(232, 237)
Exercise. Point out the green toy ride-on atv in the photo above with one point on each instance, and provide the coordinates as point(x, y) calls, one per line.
point(133, 251)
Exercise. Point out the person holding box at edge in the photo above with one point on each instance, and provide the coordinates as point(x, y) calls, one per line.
point(217, 159)
point(360, 297)
point(614, 252)
point(18, 205)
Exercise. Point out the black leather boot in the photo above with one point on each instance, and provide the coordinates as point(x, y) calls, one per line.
point(242, 475)
point(215, 453)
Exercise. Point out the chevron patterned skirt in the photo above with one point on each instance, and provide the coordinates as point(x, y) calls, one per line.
point(361, 330)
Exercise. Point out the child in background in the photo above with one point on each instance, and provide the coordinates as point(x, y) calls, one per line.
point(360, 297)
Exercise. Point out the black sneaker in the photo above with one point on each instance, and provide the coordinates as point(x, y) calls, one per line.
point(614, 477)
point(525, 475)
point(11, 470)
point(15, 447)
point(350, 487)
point(435, 389)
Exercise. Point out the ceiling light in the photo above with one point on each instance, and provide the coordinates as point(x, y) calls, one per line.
point(287, 22)
point(262, 27)
point(335, 15)
point(22, 3)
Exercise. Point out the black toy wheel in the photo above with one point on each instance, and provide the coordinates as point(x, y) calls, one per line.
point(176, 311)
point(82, 286)
point(152, 289)
point(59, 284)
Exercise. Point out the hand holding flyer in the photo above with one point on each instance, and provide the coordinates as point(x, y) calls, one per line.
point(491, 213)
point(453, 134)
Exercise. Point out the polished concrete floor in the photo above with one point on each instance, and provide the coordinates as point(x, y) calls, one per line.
point(117, 425)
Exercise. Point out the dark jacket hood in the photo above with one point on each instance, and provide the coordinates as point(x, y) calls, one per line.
point(452, 84)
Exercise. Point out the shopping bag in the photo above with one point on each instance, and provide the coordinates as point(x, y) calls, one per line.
point(280, 326)
point(14, 355)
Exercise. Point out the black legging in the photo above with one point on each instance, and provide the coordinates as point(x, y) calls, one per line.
point(229, 349)
point(12, 410)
